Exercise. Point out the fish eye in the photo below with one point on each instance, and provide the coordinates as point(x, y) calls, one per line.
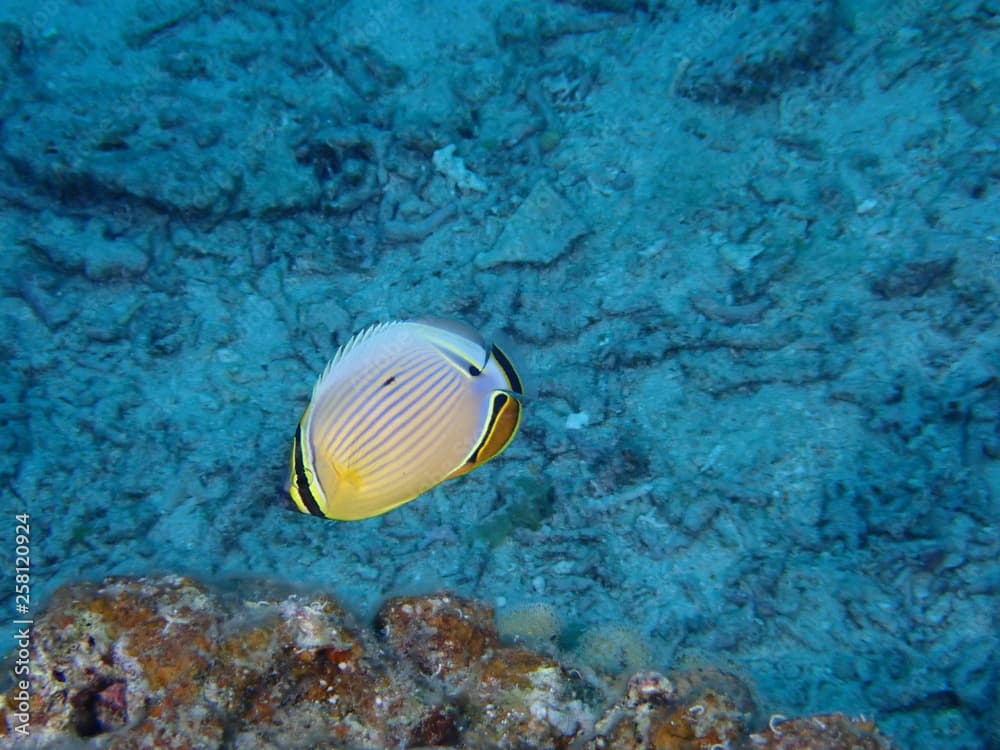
point(474, 371)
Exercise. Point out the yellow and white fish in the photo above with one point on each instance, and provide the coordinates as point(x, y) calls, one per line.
point(402, 407)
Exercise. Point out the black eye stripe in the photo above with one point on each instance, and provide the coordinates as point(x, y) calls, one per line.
point(507, 366)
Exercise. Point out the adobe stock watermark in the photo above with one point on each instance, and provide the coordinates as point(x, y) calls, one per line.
point(20, 703)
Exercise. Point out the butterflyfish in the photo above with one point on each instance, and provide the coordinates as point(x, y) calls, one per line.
point(401, 407)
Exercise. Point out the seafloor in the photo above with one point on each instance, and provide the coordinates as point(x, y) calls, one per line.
point(745, 255)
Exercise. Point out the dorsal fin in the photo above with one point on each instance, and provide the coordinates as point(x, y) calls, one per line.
point(355, 340)
point(458, 327)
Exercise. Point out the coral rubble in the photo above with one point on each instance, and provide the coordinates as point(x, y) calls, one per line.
point(171, 663)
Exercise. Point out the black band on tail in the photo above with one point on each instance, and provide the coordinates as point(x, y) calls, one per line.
point(301, 480)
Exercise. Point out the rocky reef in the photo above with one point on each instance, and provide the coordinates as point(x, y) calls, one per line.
point(172, 663)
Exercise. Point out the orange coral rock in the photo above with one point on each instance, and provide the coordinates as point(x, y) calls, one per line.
point(443, 635)
point(821, 732)
point(514, 692)
point(171, 663)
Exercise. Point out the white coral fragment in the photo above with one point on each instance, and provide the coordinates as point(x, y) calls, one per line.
point(453, 168)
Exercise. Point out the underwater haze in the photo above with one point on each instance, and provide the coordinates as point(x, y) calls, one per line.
point(744, 254)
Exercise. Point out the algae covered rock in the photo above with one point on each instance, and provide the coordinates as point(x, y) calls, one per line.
point(509, 692)
point(167, 662)
point(171, 663)
point(821, 732)
point(544, 227)
point(750, 53)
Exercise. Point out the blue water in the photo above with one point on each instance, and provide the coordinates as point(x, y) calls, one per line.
point(745, 256)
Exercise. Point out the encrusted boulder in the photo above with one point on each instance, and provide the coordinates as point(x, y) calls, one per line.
point(820, 732)
point(518, 697)
point(171, 663)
